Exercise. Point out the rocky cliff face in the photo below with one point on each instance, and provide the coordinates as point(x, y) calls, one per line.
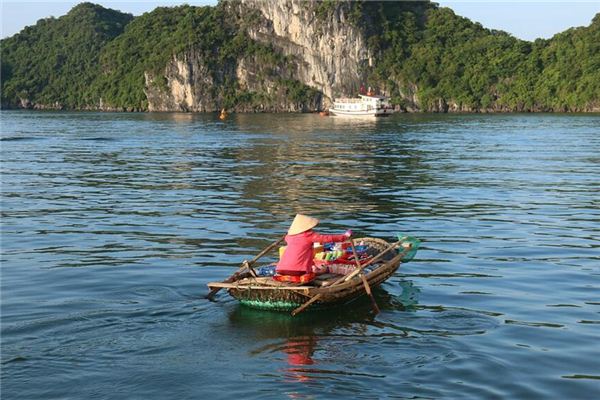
point(190, 84)
point(322, 51)
point(329, 52)
point(268, 87)
point(187, 85)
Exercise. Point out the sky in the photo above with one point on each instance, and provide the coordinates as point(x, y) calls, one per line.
point(524, 19)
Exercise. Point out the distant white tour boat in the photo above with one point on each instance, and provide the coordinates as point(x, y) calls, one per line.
point(367, 105)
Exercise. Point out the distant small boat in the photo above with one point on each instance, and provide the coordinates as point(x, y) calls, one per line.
point(223, 115)
point(366, 105)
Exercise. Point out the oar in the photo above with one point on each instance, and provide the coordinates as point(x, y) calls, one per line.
point(364, 279)
point(246, 265)
point(348, 277)
point(378, 257)
point(305, 305)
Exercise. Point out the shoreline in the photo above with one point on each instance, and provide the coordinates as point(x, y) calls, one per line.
point(423, 112)
point(123, 110)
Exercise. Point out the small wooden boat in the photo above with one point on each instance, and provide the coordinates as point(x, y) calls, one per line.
point(328, 289)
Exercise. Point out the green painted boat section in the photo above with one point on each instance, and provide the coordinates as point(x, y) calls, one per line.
point(283, 305)
point(271, 305)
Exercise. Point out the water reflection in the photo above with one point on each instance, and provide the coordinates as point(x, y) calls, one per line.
point(406, 300)
point(297, 339)
point(299, 352)
point(298, 168)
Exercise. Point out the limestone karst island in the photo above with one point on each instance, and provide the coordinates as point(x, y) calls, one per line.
point(294, 56)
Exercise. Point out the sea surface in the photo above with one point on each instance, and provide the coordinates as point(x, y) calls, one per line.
point(113, 224)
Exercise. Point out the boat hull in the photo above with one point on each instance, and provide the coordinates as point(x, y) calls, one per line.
point(357, 113)
point(288, 299)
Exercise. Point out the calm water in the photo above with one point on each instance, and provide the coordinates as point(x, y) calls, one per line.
point(112, 224)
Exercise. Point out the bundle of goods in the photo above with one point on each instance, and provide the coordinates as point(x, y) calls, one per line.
point(333, 258)
point(341, 253)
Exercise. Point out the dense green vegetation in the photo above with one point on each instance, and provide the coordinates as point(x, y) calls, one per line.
point(151, 40)
point(427, 58)
point(94, 56)
point(56, 61)
point(448, 61)
point(567, 68)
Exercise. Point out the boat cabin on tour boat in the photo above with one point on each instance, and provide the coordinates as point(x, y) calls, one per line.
point(367, 105)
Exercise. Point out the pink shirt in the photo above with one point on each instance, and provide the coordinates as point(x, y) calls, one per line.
point(298, 255)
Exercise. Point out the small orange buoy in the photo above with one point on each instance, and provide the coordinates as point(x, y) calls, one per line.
point(324, 113)
point(223, 115)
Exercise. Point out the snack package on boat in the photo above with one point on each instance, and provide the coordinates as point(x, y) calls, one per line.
point(267, 270)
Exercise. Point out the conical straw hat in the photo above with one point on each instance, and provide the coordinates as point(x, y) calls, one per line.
point(302, 223)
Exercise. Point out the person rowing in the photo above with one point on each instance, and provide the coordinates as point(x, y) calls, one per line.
point(298, 258)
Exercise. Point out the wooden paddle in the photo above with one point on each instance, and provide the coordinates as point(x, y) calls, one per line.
point(378, 257)
point(246, 265)
point(346, 278)
point(364, 279)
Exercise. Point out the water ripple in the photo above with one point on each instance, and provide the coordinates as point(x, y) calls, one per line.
point(112, 224)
